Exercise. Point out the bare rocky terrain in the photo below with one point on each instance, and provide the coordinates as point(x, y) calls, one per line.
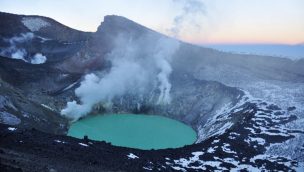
point(247, 109)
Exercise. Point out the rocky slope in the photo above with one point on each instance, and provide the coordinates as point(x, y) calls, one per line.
point(241, 147)
point(245, 108)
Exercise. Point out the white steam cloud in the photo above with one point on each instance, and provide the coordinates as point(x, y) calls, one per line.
point(13, 51)
point(137, 67)
point(192, 10)
point(24, 37)
point(38, 58)
point(18, 54)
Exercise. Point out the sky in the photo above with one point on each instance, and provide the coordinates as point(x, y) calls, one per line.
point(194, 21)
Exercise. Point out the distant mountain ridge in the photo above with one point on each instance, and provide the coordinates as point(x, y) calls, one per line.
point(294, 52)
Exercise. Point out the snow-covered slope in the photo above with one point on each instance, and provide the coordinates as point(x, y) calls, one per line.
point(34, 23)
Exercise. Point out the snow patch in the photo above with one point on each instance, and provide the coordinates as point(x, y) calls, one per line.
point(215, 141)
point(186, 162)
point(59, 141)
point(178, 168)
point(34, 23)
point(300, 167)
point(132, 156)
point(226, 148)
point(82, 144)
point(259, 140)
point(70, 86)
point(12, 128)
point(147, 168)
point(44, 39)
point(211, 150)
point(245, 167)
point(46, 106)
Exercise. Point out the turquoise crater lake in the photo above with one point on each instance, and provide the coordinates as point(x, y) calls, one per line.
point(135, 131)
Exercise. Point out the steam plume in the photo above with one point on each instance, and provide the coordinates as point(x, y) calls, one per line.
point(15, 52)
point(137, 66)
point(191, 11)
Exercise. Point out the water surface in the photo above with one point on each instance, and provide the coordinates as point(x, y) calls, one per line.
point(135, 131)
